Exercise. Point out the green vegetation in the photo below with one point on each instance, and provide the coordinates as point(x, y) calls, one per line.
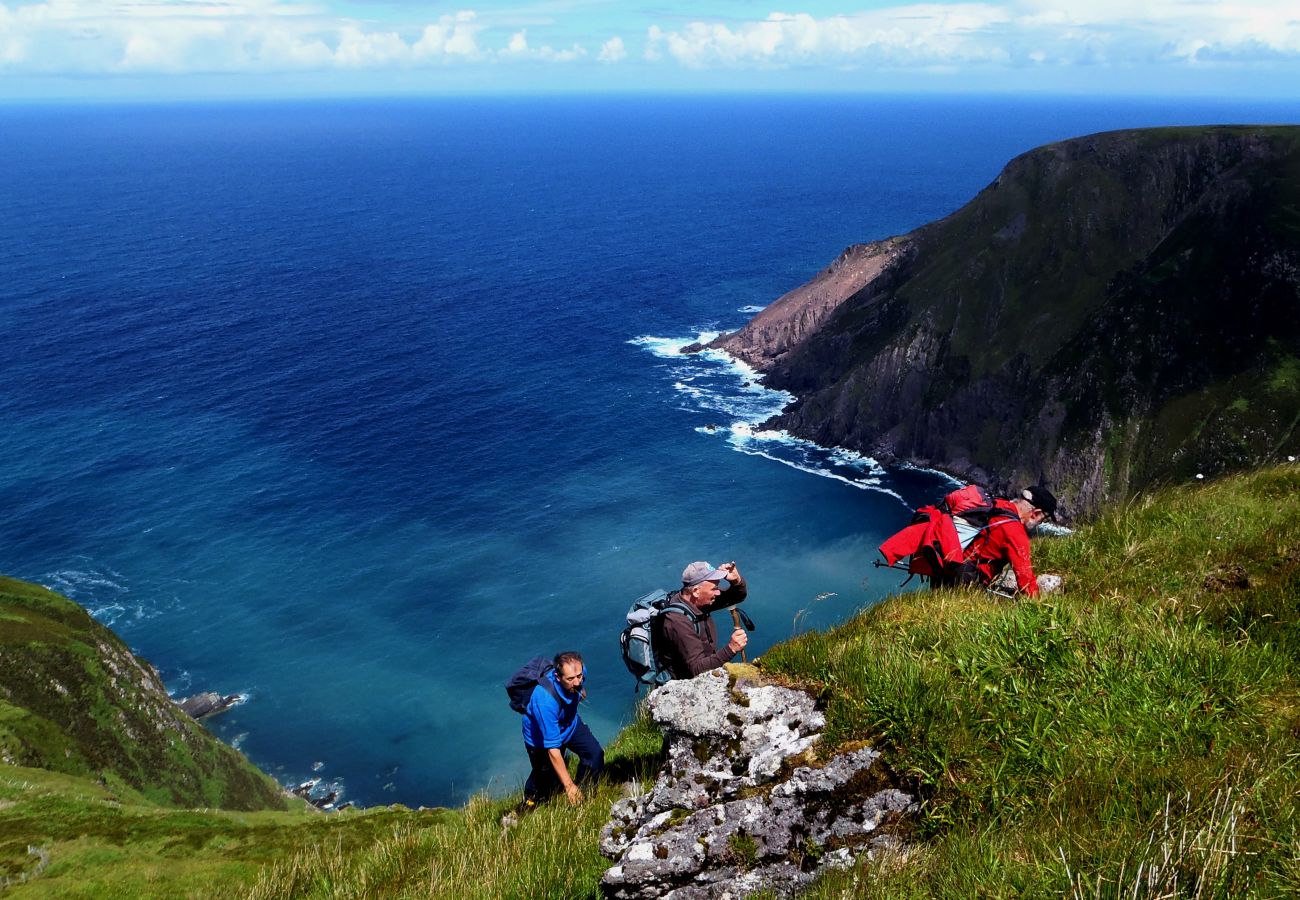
point(87, 706)
point(1136, 735)
point(93, 842)
point(1146, 719)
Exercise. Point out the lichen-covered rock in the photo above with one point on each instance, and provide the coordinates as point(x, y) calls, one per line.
point(739, 806)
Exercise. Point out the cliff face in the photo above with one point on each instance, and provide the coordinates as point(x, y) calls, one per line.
point(74, 699)
point(1111, 312)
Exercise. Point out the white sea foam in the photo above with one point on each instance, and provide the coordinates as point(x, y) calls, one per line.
point(671, 348)
point(731, 393)
point(751, 309)
point(180, 685)
point(956, 482)
point(109, 596)
point(78, 583)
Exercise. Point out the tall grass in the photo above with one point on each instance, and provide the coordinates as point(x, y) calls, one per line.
point(484, 852)
point(1046, 737)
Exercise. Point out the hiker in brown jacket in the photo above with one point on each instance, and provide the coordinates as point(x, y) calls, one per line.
point(685, 642)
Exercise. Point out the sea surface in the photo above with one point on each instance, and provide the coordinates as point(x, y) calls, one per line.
point(353, 407)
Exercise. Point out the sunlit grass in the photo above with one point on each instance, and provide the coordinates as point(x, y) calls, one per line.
point(1060, 743)
point(486, 850)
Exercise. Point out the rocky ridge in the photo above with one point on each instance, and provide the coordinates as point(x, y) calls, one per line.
point(744, 802)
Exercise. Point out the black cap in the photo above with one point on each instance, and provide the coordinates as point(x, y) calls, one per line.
point(1041, 498)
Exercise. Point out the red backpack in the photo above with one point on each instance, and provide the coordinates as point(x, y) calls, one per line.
point(971, 500)
point(932, 544)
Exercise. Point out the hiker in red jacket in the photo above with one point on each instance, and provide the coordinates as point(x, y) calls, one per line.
point(1006, 540)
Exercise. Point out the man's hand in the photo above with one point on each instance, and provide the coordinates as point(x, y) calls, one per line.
point(733, 574)
point(574, 793)
point(739, 640)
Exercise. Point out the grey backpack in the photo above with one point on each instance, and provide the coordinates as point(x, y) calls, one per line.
point(638, 637)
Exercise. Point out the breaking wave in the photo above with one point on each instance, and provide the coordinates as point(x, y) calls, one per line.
point(731, 396)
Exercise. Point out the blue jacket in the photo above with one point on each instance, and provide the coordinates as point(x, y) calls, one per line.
point(548, 722)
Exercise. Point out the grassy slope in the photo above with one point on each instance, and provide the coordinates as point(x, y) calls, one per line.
point(1147, 716)
point(1153, 701)
point(101, 843)
point(97, 843)
point(85, 705)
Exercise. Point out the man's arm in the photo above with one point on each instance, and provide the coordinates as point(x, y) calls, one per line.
point(1019, 556)
point(571, 790)
point(696, 654)
point(736, 592)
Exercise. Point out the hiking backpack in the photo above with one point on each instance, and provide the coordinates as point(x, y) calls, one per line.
point(637, 637)
point(520, 686)
point(971, 502)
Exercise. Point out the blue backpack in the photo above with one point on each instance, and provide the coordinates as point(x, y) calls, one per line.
point(638, 637)
point(520, 686)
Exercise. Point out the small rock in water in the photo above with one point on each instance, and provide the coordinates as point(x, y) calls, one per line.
point(209, 703)
point(317, 766)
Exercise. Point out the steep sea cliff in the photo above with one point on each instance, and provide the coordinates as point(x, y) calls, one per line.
point(1111, 312)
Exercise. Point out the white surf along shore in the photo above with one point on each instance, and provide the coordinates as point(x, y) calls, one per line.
point(735, 403)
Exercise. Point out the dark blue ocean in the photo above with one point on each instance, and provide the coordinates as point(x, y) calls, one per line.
point(352, 407)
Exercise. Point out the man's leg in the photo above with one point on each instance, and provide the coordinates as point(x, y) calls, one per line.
point(591, 757)
point(542, 781)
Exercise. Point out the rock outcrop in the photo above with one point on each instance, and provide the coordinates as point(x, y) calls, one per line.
point(1111, 312)
point(209, 703)
point(744, 802)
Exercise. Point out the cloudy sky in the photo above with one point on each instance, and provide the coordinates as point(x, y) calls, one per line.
point(201, 48)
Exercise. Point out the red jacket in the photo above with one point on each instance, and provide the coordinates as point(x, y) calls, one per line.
point(931, 542)
point(1004, 541)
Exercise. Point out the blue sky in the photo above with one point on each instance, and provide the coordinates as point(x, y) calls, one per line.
point(266, 48)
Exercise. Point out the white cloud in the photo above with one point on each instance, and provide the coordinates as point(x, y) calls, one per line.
point(1023, 32)
point(86, 37)
point(176, 36)
point(612, 50)
point(518, 49)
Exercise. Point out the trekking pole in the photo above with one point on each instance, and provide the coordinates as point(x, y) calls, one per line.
point(735, 620)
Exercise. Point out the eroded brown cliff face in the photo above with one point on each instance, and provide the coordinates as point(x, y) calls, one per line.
point(796, 315)
point(1111, 312)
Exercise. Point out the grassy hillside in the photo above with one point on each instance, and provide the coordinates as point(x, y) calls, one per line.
point(74, 699)
point(1145, 720)
point(64, 837)
point(1136, 735)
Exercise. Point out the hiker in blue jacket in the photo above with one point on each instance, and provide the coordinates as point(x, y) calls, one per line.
point(553, 727)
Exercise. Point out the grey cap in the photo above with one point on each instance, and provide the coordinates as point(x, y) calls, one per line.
point(701, 571)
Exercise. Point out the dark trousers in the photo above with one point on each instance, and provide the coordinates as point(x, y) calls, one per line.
point(543, 782)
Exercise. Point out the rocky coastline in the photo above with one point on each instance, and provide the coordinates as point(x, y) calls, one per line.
point(1111, 312)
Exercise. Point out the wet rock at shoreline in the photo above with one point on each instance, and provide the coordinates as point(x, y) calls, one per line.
point(209, 703)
